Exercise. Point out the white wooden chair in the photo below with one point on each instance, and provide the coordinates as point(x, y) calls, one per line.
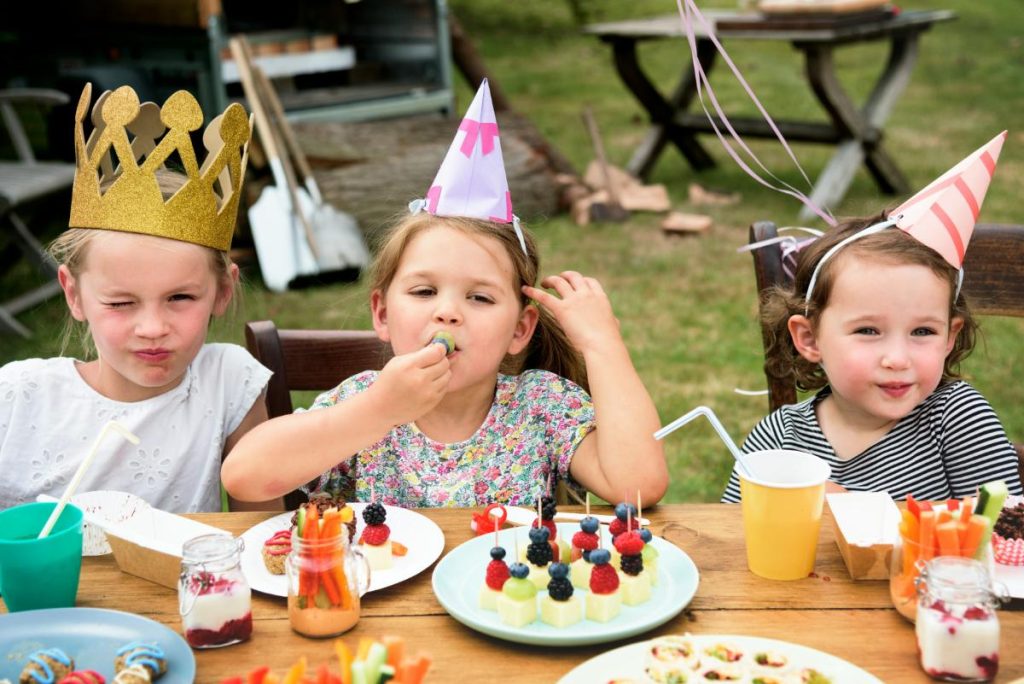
point(24, 182)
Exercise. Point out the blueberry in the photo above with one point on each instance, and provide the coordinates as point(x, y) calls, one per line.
point(623, 511)
point(497, 553)
point(539, 535)
point(518, 570)
point(589, 524)
point(646, 535)
point(558, 570)
point(600, 556)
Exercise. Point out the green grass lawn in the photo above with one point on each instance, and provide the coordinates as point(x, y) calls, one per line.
point(687, 305)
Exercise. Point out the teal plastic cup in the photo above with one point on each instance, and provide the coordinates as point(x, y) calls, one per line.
point(39, 573)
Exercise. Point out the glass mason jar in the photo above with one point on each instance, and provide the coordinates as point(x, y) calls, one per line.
point(213, 596)
point(905, 569)
point(326, 578)
point(957, 627)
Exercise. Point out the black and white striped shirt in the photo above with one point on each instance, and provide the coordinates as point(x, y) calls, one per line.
point(947, 446)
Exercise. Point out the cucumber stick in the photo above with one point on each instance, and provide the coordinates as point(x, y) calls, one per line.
point(991, 497)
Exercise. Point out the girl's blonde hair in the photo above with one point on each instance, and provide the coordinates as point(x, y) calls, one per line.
point(549, 348)
point(891, 245)
point(71, 248)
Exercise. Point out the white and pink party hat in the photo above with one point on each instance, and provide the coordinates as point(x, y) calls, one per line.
point(471, 181)
point(943, 214)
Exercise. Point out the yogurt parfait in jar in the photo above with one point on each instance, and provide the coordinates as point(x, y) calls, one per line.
point(213, 596)
point(957, 627)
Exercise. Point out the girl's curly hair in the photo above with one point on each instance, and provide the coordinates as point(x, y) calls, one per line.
point(895, 246)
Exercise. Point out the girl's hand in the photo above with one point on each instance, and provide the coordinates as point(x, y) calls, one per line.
point(411, 384)
point(583, 311)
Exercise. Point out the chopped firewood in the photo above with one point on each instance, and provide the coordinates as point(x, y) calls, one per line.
point(700, 195)
point(645, 198)
point(594, 177)
point(678, 223)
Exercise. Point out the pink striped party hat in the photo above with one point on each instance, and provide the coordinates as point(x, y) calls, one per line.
point(943, 214)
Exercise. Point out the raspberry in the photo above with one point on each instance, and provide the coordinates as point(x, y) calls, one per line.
point(976, 613)
point(497, 573)
point(603, 579)
point(560, 589)
point(374, 514)
point(375, 535)
point(632, 565)
point(539, 554)
point(629, 543)
point(585, 541)
point(617, 527)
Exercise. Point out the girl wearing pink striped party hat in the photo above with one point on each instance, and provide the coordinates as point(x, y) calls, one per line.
point(487, 394)
point(875, 321)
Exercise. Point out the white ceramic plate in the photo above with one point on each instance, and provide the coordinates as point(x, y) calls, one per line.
point(418, 533)
point(628, 662)
point(457, 579)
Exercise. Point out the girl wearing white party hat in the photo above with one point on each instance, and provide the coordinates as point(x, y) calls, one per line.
point(486, 395)
point(875, 321)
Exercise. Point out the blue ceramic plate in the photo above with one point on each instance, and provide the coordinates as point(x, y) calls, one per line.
point(457, 579)
point(90, 636)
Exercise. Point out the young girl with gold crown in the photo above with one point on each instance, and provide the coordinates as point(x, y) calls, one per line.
point(484, 398)
point(876, 322)
point(144, 266)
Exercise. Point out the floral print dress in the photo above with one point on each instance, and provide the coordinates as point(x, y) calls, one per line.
point(534, 427)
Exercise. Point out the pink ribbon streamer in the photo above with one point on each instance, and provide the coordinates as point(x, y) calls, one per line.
point(703, 83)
point(475, 129)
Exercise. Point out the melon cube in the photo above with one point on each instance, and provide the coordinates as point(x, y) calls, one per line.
point(539, 576)
point(488, 597)
point(379, 557)
point(517, 613)
point(561, 613)
point(635, 588)
point(579, 573)
point(603, 607)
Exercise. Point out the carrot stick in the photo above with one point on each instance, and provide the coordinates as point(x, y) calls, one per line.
point(948, 539)
point(911, 524)
point(911, 552)
point(396, 650)
point(310, 535)
point(967, 509)
point(976, 526)
point(344, 660)
point(927, 539)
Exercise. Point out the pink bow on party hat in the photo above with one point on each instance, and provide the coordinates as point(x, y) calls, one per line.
point(943, 214)
point(471, 181)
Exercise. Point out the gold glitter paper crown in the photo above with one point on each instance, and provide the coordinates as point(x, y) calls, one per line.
point(116, 185)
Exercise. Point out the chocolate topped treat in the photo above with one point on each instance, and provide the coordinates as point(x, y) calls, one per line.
point(324, 500)
point(1010, 524)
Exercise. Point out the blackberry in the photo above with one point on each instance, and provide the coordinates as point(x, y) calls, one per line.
point(560, 589)
point(632, 565)
point(374, 514)
point(548, 508)
point(539, 554)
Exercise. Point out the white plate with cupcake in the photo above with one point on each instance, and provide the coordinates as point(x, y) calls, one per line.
point(422, 539)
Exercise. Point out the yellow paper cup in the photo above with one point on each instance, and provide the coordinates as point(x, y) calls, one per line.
point(782, 505)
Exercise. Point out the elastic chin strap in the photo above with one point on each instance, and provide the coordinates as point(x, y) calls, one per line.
point(870, 230)
point(418, 205)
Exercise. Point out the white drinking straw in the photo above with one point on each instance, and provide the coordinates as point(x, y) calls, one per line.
point(710, 415)
point(77, 478)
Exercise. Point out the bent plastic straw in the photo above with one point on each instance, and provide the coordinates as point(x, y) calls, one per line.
point(73, 485)
point(705, 411)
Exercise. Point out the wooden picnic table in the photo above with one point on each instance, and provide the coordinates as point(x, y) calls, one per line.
point(855, 130)
point(826, 611)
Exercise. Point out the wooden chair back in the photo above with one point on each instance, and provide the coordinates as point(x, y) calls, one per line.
point(310, 360)
point(993, 285)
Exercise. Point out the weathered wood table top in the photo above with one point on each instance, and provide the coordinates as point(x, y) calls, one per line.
point(827, 611)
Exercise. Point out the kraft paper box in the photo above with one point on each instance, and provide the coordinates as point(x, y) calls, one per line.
point(148, 544)
point(866, 525)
